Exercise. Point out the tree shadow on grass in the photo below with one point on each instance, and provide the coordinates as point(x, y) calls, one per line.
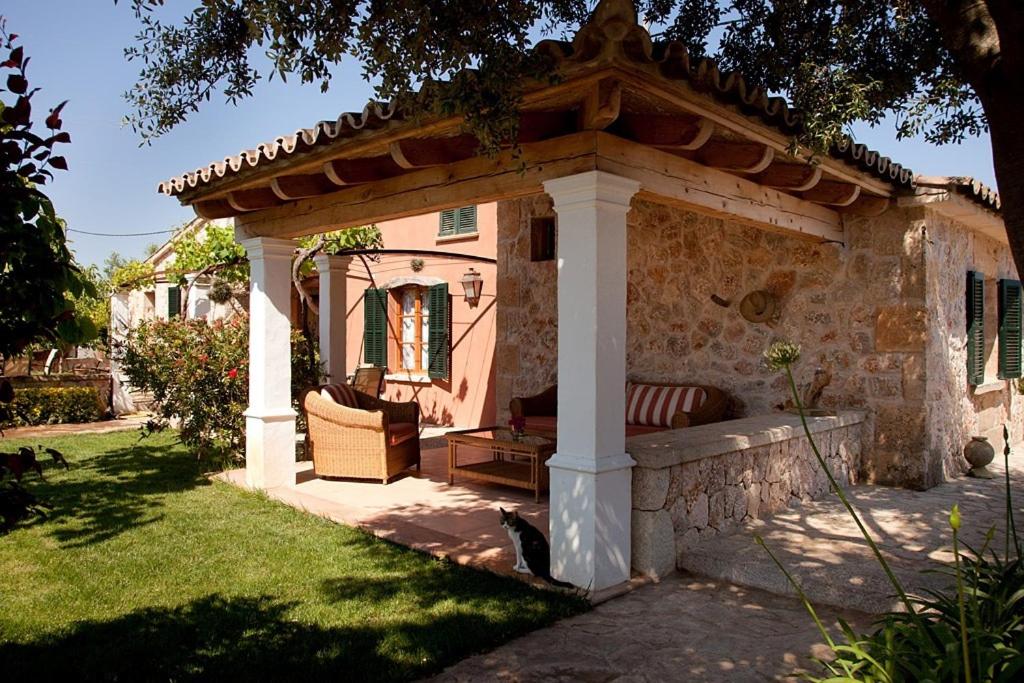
point(257, 638)
point(115, 491)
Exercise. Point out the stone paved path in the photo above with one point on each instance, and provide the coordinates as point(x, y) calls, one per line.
point(682, 629)
point(42, 431)
point(820, 544)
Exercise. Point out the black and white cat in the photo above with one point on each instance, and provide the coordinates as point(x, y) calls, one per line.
point(533, 554)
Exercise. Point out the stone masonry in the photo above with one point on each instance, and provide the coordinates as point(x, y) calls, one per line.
point(692, 484)
point(858, 310)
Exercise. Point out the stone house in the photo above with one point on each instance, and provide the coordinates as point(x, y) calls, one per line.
point(647, 195)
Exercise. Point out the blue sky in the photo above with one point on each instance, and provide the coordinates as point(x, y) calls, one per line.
point(77, 54)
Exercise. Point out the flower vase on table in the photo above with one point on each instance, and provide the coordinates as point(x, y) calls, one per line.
point(517, 425)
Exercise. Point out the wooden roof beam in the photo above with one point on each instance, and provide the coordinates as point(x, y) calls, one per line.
point(833, 193)
point(253, 199)
point(666, 132)
point(602, 105)
point(535, 126)
point(344, 172)
point(410, 153)
point(212, 209)
point(738, 157)
point(292, 187)
point(789, 177)
point(867, 205)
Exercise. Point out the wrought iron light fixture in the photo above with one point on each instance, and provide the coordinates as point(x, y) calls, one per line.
point(472, 284)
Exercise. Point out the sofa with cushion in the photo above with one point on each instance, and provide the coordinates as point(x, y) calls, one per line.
point(354, 435)
point(650, 407)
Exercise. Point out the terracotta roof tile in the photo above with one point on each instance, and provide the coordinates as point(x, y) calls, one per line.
point(612, 35)
point(374, 115)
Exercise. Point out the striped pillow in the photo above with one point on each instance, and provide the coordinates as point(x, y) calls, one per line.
point(654, 406)
point(342, 394)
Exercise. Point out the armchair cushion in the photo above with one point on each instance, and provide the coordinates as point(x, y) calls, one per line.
point(399, 432)
point(341, 394)
point(653, 406)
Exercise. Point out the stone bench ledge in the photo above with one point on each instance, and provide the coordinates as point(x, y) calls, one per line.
point(677, 446)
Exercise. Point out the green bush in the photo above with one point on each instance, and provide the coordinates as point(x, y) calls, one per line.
point(198, 372)
point(52, 405)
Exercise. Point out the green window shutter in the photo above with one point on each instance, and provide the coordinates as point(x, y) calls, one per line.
point(449, 220)
point(173, 301)
point(375, 327)
point(975, 328)
point(438, 345)
point(466, 220)
point(1009, 329)
point(457, 221)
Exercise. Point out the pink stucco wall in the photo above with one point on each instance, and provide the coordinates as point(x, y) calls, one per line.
point(468, 398)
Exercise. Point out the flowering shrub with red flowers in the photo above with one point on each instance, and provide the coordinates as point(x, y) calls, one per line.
point(198, 373)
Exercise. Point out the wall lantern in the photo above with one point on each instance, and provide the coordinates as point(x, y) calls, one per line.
point(473, 284)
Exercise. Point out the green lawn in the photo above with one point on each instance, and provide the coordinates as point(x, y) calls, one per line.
point(146, 569)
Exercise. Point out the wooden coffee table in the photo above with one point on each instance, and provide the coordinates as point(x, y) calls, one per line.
point(511, 462)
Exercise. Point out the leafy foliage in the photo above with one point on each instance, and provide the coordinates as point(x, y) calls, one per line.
point(132, 274)
point(840, 60)
point(52, 405)
point(38, 276)
point(198, 373)
point(94, 303)
point(217, 249)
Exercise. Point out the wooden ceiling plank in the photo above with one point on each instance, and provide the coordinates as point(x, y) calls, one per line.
point(790, 177)
point(739, 157)
point(535, 126)
point(729, 119)
point(867, 205)
point(291, 187)
point(412, 153)
point(212, 209)
point(832, 193)
point(665, 131)
point(253, 199)
point(343, 172)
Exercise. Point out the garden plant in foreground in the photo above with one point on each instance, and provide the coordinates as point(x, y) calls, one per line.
point(975, 633)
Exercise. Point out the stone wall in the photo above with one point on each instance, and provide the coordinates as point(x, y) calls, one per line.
point(957, 411)
point(692, 484)
point(859, 311)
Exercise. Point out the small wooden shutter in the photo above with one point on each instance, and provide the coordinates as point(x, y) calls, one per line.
point(975, 328)
point(438, 345)
point(1009, 329)
point(458, 221)
point(448, 221)
point(466, 220)
point(375, 327)
point(173, 301)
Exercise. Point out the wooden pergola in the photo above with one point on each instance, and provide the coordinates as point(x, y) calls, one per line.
point(626, 119)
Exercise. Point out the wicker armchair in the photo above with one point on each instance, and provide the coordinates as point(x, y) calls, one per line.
point(378, 440)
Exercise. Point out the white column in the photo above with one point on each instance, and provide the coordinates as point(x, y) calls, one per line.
point(333, 311)
point(591, 473)
point(269, 420)
point(119, 329)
